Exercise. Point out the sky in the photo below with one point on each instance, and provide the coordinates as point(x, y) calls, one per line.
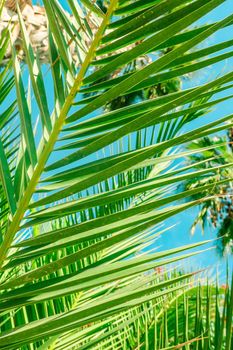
point(180, 233)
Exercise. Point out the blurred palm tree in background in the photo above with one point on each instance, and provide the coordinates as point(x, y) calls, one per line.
point(219, 210)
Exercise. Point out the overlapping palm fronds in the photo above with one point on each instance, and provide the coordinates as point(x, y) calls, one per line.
point(89, 188)
point(196, 317)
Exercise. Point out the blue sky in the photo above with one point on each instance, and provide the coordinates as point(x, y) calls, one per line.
point(180, 234)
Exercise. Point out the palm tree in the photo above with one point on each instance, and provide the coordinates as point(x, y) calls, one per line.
point(84, 190)
point(217, 211)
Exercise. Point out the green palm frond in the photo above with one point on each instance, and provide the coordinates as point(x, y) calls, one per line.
point(84, 187)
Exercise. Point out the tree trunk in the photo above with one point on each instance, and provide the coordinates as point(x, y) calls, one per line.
point(35, 21)
point(36, 24)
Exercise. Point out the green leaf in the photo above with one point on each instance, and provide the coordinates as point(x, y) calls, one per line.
point(6, 180)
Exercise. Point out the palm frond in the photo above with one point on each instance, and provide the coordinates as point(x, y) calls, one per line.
point(84, 187)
